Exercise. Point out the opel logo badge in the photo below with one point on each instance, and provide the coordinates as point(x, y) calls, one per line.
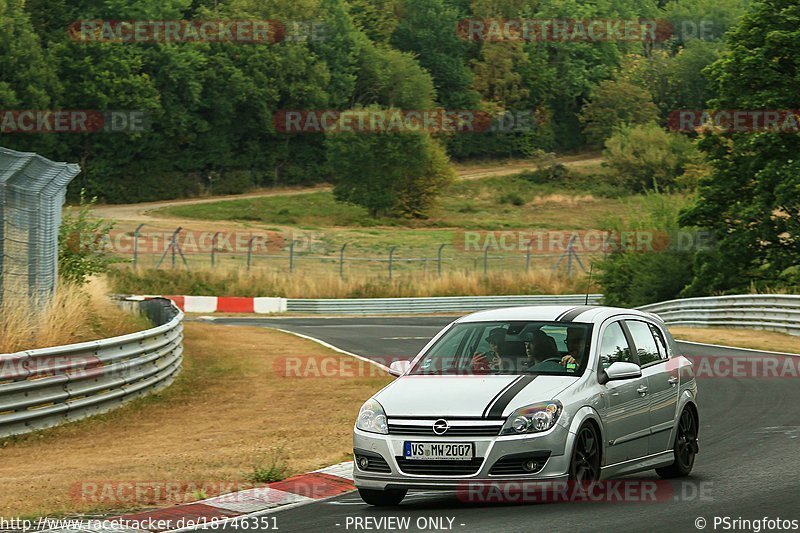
point(440, 427)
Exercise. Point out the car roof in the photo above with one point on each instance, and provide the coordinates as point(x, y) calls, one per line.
point(555, 313)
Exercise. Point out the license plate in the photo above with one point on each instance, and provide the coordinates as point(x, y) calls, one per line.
point(439, 451)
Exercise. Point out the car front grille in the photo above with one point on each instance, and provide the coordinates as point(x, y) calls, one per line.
point(440, 468)
point(458, 428)
point(514, 465)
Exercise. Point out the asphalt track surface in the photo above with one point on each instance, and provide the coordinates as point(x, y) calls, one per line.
point(748, 467)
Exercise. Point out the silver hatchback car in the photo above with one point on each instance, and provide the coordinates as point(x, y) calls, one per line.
point(530, 393)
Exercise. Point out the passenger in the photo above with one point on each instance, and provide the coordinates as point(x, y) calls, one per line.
point(491, 360)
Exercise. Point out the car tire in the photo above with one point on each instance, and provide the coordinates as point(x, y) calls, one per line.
point(584, 466)
point(685, 447)
point(382, 498)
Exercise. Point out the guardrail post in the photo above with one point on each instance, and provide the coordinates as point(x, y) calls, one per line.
point(439, 259)
point(136, 246)
point(341, 261)
point(214, 249)
point(249, 252)
point(391, 256)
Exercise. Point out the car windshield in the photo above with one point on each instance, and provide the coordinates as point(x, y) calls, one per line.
point(510, 347)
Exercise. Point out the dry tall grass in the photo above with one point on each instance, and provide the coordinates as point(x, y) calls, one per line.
point(270, 283)
point(76, 314)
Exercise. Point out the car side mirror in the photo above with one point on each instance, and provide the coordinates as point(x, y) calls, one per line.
point(398, 368)
point(620, 370)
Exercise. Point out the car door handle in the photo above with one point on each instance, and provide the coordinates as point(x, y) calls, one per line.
point(673, 381)
point(642, 390)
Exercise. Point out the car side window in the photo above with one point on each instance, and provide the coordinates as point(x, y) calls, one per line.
point(646, 347)
point(614, 346)
point(661, 344)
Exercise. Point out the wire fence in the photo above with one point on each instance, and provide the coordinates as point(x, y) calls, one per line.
point(32, 191)
point(184, 250)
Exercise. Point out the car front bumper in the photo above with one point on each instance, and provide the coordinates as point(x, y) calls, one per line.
point(491, 449)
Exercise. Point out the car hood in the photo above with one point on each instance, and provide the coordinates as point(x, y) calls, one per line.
point(443, 396)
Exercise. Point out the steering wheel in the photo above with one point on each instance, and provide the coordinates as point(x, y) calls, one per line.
point(551, 360)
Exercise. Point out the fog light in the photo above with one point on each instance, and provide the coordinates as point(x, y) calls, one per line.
point(530, 466)
point(363, 463)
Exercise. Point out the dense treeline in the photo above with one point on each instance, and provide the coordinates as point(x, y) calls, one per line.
point(210, 106)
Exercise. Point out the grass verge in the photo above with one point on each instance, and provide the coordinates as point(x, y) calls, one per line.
point(226, 418)
point(772, 341)
point(76, 314)
point(237, 283)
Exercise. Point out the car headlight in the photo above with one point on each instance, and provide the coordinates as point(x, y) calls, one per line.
point(533, 418)
point(372, 417)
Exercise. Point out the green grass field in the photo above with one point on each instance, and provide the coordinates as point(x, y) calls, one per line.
point(491, 204)
point(511, 206)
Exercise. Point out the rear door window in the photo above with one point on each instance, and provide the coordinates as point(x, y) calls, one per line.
point(646, 347)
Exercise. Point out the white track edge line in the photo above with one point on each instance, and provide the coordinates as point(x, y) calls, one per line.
point(334, 348)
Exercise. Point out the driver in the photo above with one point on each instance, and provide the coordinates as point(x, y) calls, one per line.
point(576, 340)
point(491, 360)
point(539, 347)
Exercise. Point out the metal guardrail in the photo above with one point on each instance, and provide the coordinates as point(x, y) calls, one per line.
point(50, 386)
point(775, 312)
point(447, 304)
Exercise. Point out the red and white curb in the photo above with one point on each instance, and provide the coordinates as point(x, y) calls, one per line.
point(294, 491)
point(223, 304)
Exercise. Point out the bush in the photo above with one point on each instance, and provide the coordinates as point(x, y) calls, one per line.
point(630, 278)
point(648, 158)
point(513, 199)
point(81, 244)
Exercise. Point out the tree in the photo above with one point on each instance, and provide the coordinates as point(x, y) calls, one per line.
point(674, 80)
point(427, 29)
point(703, 19)
point(751, 201)
point(616, 103)
point(390, 173)
point(646, 157)
point(391, 78)
point(28, 80)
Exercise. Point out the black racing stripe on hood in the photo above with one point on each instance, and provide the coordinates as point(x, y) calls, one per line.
point(572, 314)
point(500, 405)
point(499, 393)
